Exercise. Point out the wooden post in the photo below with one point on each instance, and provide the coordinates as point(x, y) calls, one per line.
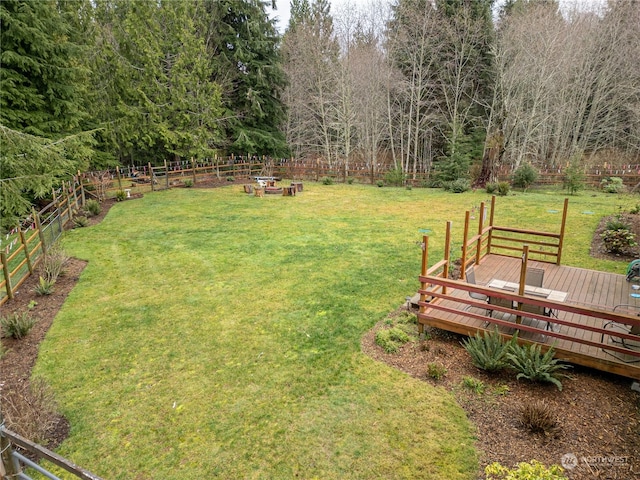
point(564, 221)
point(36, 218)
point(7, 274)
point(166, 173)
point(69, 201)
point(465, 236)
point(82, 194)
point(59, 211)
point(119, 178)
point(480, 225)
point(75, 195)
point(7, 465)
point(447, 253)
point(423, 272)
point(23, 239)
point(523, 276)
point(193, 170)
point(491, 213)
point(153, 189)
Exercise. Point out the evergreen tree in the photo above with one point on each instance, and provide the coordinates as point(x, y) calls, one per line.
point(243, 43)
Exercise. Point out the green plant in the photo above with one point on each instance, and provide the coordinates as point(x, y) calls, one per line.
point(491, 187)
point(327, 181)
point(618, 241)
point(380, 183)
point(54, 262)
point(394, 177)
point(573, 178)
point(32, 304)
point(525, 176)
point(80, 221)
point(391, 339)
point(489, 351)
point(460, 185)
point(635, 210)
point(504, 188)
point(473, 384)
point(120, 195)
point(533, 470)
point(17, 325)
point(350, 180)
point(436, 371)
point(188, 183)
point(409, 186)
point(3, 350)
point(231, 179)
point(531, 364)
point(92, 207)
point(44, 287)
point(539, 417)
point(501, 390)
point(612, 185)
point(407, 317)
point(617, 223)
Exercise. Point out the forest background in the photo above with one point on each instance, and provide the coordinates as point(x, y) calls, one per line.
point(453, 88)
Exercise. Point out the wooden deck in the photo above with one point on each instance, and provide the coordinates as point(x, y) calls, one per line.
point(584, 332)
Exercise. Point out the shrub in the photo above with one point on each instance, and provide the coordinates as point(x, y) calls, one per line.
point(327, 181)
point(504, 188)
point(30, 410)
point(460, 185)
point(17, 325)
point(394, 177)
point(44, 287)
point(524, 471)
point(120, 195)
point(92, 207)
point(529, 362)
point(573, 179)
point(616, 223)
point(350, 180)
point(380, 183)
point(436, 371)
point(231, 179)
point(188, 183)
point(525, 176)
point(612, 185)
point(635, 210)
point(407, 318)
point(489, 352)
point(618, 241)
point(391, 339)
point(53, 262)
point(473, 384)
point(80, 221)
point(538, 417)
point(491, 187)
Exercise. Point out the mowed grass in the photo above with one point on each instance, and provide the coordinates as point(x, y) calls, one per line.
point(217, 335)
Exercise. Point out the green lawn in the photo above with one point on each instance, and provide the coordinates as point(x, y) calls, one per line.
point(217, 335)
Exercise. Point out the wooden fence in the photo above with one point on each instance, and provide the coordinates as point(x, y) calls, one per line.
point(24, 247)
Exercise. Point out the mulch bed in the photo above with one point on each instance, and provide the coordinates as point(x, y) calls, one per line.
point(598, 414)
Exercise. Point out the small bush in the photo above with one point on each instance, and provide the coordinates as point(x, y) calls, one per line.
point(407, 318)
point(44, 287)
point(573, 179)
point(618, 241)
point(635, 210)
point(30, 410)
point(612, 185)
point(17, 325)
point(409, 186)
point(92, 207)
point(489, 352)
point(350, 180)
point(474, 385)
point(436, 371)
point(54, 262)
point(394, 177)
point(460, 185)
point(491, 188)
point(525, 176)
point(391, 339)
point(327, 181)
point(231, 179)
point(188, 183)
point(538, 417)
point(120, 195)
point(80, 221)
point(529, 362)
point(524, 471)
point(3, 350)
point(504, 188)
point(617, 223)
point(380, 183)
